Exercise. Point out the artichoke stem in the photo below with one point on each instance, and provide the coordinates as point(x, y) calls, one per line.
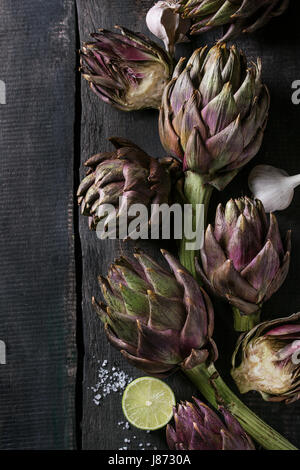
point(196, 192)
point(210, 384)
point(244, 322)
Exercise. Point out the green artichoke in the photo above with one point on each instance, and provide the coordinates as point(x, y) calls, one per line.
point(214, 113)
point(159, 320)
point(270, 360)
point(197, 427)
point(124, 177)
point(241, 16)
point(126, 70)
point(243, 257)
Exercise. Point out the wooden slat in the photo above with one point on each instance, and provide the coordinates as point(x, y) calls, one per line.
point(281, 66)
point(99, 121)
point(100, 428)
point(37, 275)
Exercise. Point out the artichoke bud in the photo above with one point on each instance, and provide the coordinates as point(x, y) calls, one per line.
point(270, 360)
point(244, 259)
point(125, 69)
point(124, 177)
point(159, 319)
point(241, 16)
point(214, 112)
point(197, 427)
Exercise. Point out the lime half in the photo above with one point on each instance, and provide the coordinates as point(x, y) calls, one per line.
point(147, 403)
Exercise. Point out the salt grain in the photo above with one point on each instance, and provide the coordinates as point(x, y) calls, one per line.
point(114, 381)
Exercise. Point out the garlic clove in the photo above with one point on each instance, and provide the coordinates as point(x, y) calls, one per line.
point(273, 187)
point(166, 24)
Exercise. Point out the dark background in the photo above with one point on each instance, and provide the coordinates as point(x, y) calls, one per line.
point(49, 259)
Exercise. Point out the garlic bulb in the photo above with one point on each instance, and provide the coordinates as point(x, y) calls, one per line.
point(165, 23)
point(273, 187)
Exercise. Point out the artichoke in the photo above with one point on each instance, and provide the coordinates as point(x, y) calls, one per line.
point(197, 427)
point(126, 70)
point(159, 320)
point(270, 360)
point(214, 113)
point(243, 257)
point(241, 16)
point(124, 177)
point(162, 321)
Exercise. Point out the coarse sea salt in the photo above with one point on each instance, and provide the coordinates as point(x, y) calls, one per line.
point(109, 381)
point(115, 380)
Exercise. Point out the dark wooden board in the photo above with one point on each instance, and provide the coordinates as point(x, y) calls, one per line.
point(100, 428)
point(37, 275)
point(281, 65)
point(37, 279)
point(278, 46)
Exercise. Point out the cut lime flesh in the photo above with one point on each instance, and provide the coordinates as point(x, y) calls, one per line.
point(147, 403)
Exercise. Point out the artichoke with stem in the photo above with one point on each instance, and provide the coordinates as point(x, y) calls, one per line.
point(159, 321)
point(197, 427)
point(244, 259)
point(213, 116)
point(270, 360)
point(162, 321)
point(126, 70)
point(241, 16)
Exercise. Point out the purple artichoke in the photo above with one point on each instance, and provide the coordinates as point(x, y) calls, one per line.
point(243, 257)
point(126, 70)
point(197, 427)
point(124, 177)
point(241, 16)
point(270, 360)
point(159, 320)
point(214, 113)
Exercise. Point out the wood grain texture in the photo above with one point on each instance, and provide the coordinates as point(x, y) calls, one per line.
point(281, 147)
point(37, 275)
